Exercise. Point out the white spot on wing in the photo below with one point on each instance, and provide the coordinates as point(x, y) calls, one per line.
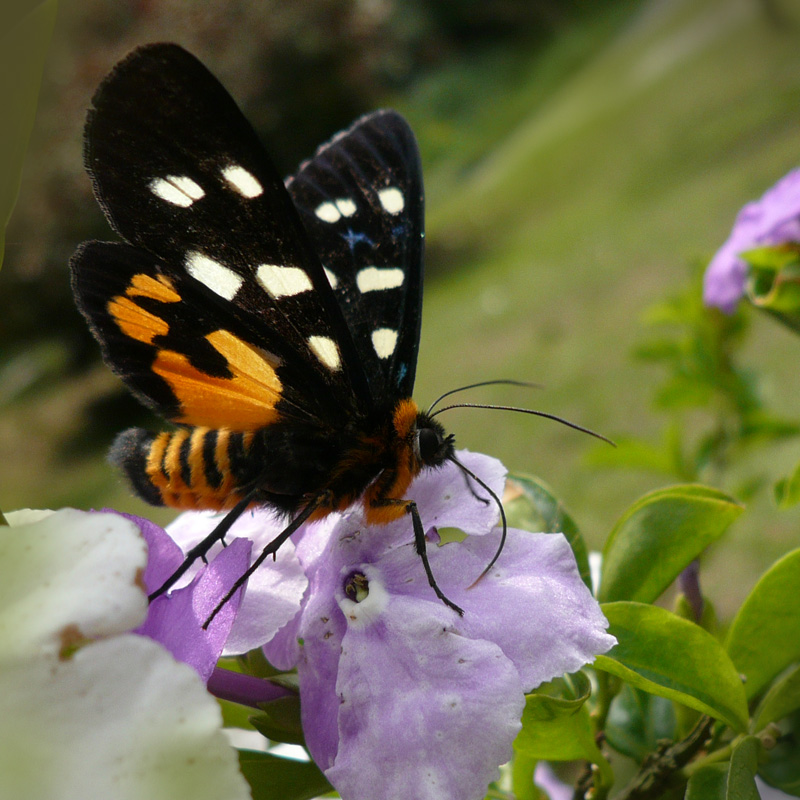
point(328, 212)
point(180, 190)
point(384, 340)
point(217, 277)
point(333, 210)
point(280, 281)
point(392, 199)
point(371, 279)
point(326, 350)
point(346, 206)
point(332, 279)
point(242, 181)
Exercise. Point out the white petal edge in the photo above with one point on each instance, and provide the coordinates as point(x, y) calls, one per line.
point(66, 575)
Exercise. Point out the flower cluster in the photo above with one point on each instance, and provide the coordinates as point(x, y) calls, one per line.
point(400, 696)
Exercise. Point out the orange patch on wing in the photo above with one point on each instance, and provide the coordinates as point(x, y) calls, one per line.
point(159, 288)
point(134, 321)
point(245, 401)
point(250, 362)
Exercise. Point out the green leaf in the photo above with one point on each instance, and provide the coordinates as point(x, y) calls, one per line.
point(708, 783)
point(665, 655)
point(522, 770)
point(782, 699)
point(25, 28)
point(531, 505)
point(782, 769)
point(659, 536)
point(772, 258)
point(764, 637)
point(280, 721)
point(743, 767)
point(732, 780)
point(637, 721)
point(776, 290)
point(556, 725)
point(235, 715)
point(787, 490)
point(274, 778)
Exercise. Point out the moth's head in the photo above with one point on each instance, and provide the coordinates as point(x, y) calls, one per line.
point(432, 444)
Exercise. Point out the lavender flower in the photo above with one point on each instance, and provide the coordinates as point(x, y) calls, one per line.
point(772, 220)
point(400, 696)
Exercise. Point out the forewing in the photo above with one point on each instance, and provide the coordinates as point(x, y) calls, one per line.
point(361, 200)
point(187, 353)
point(182, 176)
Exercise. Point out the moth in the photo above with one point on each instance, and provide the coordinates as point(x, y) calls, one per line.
point(275, 324)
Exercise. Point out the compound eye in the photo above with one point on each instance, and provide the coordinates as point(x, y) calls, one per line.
point(429, 442)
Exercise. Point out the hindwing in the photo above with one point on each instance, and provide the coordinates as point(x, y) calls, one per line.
point(361, 200)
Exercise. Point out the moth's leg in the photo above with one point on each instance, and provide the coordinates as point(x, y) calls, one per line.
point(420, 545)
point(200, 550)
point(271, 549)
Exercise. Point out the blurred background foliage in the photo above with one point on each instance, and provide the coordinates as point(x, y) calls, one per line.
point(580, 156)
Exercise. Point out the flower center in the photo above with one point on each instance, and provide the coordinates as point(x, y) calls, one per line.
point(356, 587)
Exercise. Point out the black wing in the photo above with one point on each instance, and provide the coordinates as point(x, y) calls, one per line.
point(183, 178)
point(361, 200)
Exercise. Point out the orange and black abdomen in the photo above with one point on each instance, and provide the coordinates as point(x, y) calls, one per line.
point(280, 466)
point(189, 468)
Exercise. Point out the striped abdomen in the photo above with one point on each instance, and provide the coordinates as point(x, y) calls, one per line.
point(190, 468)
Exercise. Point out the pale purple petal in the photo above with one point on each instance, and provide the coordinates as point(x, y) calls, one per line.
point(444, 499)
point(446, 691)
point(176, 620)
point(556, 625)
point(275, 589)
point(773, 219)
point(274, 593)
point(323, 627)
point(545, 778)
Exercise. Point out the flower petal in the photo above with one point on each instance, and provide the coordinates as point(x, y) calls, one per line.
point(415, 692)
point(68, 576)
point(176, 620)
point(556, 625)
point(120, 718)
point(274, 591)
point(446, 499)
point(163, 555)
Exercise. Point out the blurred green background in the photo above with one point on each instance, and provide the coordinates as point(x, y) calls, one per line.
point(579, 157)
